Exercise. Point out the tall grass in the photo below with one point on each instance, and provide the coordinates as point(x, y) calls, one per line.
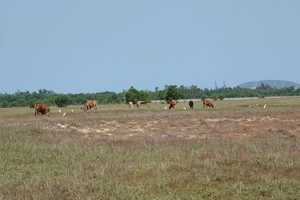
point(31, 167)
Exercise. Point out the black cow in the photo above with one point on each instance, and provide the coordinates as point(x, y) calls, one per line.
point(191, 104)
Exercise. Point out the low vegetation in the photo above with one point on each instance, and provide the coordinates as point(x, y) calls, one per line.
point(54, 158)
point(49, 97)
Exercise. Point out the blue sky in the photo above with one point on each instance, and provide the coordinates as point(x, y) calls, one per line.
point(74, 46)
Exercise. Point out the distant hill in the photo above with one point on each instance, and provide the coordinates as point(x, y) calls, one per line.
point(273, 83)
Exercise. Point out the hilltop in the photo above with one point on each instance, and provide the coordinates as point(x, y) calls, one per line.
point(273, 83)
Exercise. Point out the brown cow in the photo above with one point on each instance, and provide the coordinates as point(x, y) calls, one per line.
point(42, 108)
point(90, 104)
point(130, 104)
point(172, 104)
point(207, 102)
point(138, 103)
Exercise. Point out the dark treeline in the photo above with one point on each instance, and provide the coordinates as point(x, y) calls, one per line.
point(23, 99)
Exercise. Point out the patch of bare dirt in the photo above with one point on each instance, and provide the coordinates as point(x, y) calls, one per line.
point(188, 124)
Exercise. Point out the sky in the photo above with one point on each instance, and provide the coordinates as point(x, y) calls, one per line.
point(92, 46)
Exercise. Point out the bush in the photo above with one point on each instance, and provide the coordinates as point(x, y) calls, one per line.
point(31, 104)
point(221, 97)
point(61, 100)
point(173, 93)
point(203, 98)
point(214, 97)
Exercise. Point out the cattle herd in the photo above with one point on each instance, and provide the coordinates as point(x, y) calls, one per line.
point(43, 109)
point(206, 102)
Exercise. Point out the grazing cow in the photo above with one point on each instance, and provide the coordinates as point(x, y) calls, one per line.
point(207, 102)
point(90, 104)
point(130, 104)
point(42, 108)
point(172, 104)
point(138, 103)
point(191, 104)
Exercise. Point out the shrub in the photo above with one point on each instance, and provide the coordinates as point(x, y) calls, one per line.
point(221, 97)
point(61, 100)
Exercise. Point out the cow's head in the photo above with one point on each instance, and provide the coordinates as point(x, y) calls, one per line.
point(85, 108)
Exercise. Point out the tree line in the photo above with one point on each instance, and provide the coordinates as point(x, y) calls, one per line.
point(49, 97)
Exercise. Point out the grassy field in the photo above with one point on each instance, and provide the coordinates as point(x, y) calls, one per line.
point(235, 151)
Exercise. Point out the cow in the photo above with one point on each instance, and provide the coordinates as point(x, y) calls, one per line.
point(191, 104)
point(207, 102)
point(42, 108)
point(90, 104)
point(138, 103)
point(130, 104)
point(172, 104)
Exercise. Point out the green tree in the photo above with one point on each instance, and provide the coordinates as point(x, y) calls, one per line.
point(131, 95)
point(161, 95)
point(221, 96)
point(173, 93)
point(113, 97)
point(4, 104)
point(118, 100)
point(31, 104)
point(144, 96)
point(134, 95)
point(51, 101)
point(203, 98)
point(214, 97)
point(62, 100)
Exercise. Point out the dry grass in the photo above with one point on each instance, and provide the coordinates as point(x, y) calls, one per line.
point(231, 152)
